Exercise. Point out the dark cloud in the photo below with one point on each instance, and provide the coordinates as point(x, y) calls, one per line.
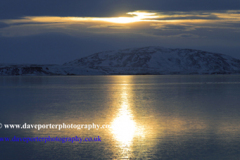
point(176, 28)
point(17, 8)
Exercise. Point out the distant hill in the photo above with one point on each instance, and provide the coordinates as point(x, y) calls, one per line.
point(136, 61)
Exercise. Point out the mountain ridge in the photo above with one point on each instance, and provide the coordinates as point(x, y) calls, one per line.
point(159, 60)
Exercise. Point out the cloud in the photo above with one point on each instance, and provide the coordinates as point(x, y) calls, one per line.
point(179, 27)
point(137, 22)
point(186, 36)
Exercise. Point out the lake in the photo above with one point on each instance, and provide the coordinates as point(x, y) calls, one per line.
point(167, 117)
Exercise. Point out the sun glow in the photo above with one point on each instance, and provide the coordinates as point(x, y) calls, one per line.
point(136, 17)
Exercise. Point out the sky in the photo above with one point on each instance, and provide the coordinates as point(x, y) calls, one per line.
point(55, 32)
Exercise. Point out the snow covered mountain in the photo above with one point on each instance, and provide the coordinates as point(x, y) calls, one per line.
point(159, 60)
point(147, 60)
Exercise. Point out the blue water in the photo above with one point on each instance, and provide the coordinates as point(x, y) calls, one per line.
point(152, 117)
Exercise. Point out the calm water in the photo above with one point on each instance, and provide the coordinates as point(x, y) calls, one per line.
point(152, 117)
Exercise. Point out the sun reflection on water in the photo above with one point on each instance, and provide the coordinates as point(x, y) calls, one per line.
point(124, 127)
